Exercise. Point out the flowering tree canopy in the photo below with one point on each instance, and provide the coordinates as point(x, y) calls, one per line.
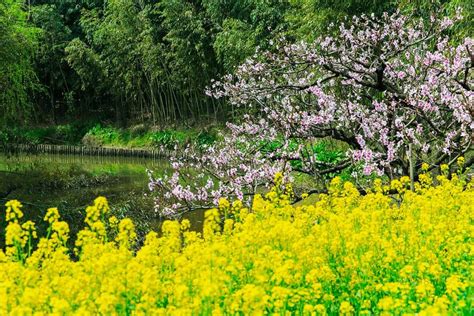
point(395, 89)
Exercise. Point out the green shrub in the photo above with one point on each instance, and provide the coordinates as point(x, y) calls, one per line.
point(168, 139)
point(206, 138)
point(106, 135)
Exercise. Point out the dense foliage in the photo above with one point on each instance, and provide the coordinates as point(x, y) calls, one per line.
point(409, 252)
point(149, 61)
point(18, 40)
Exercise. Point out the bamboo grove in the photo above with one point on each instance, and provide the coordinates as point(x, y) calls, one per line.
point(150, 61)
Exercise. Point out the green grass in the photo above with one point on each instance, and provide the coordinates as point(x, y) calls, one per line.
point(142, 138)
point(61, 134)
point(108, 136)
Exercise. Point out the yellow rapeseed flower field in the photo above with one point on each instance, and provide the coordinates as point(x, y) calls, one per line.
point(405, 253)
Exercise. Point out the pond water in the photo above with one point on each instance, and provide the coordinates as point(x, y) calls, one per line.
point(55, 180)
point(73, 182)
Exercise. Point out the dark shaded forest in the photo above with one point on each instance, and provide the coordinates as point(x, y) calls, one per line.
point(141, 61)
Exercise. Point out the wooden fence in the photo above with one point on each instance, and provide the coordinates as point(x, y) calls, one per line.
point(88, 151)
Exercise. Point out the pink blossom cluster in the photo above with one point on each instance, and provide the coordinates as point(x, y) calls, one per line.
point(379, 85)
point(382, 85)
point(232, 169)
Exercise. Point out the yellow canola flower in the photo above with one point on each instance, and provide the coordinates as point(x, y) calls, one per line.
point(113, 221)
point(224, 203)
point(127, 235)
point(13, 212)
point(14, 234)
point(444, 168)
point(52, 215)
point(346, 309)
point(345, 253)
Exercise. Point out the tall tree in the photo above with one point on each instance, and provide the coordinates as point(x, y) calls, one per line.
point(394, 89)
point(51, 67)
point(18, 40)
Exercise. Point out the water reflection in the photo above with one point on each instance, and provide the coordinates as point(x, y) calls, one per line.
point(71, 182)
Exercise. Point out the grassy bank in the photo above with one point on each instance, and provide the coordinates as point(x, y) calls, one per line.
point(100, 135)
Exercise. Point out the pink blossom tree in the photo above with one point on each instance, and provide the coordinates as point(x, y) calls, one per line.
point(395, 89)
